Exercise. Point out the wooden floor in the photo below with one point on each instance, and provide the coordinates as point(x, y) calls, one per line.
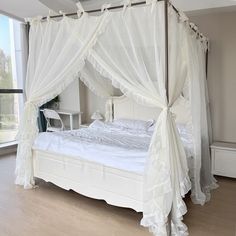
point(51, 211)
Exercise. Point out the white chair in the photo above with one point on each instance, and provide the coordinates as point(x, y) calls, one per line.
point(52, 115)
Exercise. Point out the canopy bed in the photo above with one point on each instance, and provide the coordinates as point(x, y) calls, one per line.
point(109, 168)
point(157, 59)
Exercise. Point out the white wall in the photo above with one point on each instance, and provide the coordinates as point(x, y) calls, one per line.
point(90, 102)
point(220, 28)
point(77, 97)
point(70, 100)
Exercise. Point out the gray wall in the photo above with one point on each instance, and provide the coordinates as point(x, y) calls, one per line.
point(77, 97)
point(90, 103)
point(220, 28)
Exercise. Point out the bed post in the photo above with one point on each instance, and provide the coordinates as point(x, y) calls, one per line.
point(207, 55)
point(27, 30)
point(166, 4)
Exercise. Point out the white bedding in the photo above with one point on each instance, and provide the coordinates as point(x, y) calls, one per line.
point(104, 143)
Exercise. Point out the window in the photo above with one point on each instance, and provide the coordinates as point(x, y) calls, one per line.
point(12, 72)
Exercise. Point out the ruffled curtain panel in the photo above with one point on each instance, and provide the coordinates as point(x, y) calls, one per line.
point(128, 48)
point(57, 52)
point(135, 62)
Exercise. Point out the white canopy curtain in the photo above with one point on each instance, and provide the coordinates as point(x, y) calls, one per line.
point(131, 53)
point(135, 62)
point(99, 85)
point(203, 180)
point(56, 54)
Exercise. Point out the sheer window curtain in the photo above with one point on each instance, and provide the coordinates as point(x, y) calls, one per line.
point(57, 52)
point(135, 62)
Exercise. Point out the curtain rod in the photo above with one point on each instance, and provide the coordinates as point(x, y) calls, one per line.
point(99, 10)
point(121, 6)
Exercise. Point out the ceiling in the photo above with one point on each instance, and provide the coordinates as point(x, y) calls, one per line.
point(193, 5)
point(21, 9)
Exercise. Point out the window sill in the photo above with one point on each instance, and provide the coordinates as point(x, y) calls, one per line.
point(8, 144)
point(8, 148)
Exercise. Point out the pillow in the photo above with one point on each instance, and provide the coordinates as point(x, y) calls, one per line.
point(133, 124)
point(97, 124)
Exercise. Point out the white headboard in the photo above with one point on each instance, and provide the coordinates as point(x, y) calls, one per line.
point(124, 107)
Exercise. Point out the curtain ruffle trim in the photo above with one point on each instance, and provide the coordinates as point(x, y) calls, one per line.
point(206, 194)
point(26, 135)
point(90, 86)
point(157, 221)
point(154, 222)
point(139, 99)
point(207, 189)
point(74, 74)
point(158, 224)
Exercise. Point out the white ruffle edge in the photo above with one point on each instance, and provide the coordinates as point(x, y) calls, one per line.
point(138, 98)
point(28, 126)
point(161, 225)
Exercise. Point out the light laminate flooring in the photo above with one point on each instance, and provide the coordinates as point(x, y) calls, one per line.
point(51, 211)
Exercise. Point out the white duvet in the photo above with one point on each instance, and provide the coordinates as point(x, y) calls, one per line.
point(104, 143)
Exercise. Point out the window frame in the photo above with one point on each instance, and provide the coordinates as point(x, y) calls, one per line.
point(11, 91)
point(15, 91)
point(13, 143)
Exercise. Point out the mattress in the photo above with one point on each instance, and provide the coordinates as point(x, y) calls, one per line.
point(105, 144)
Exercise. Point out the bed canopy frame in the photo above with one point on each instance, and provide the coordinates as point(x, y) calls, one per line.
point(167, 2)
point(156, 223)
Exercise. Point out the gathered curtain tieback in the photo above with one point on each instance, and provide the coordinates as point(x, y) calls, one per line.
point(153, 2)
point(105, 7)
point(29, 107)
point(169, 109)
point(28, 120)
point(162, 123)
point(28, 104)
point(62, 13)
point(80, 7)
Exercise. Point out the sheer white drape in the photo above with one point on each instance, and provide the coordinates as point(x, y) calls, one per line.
point(131, 53)
point(99, 85)
point(57, 52)
point(203, 180)
point(135, 62)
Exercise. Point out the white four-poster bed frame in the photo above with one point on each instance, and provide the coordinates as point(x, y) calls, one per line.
point(117, 187)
